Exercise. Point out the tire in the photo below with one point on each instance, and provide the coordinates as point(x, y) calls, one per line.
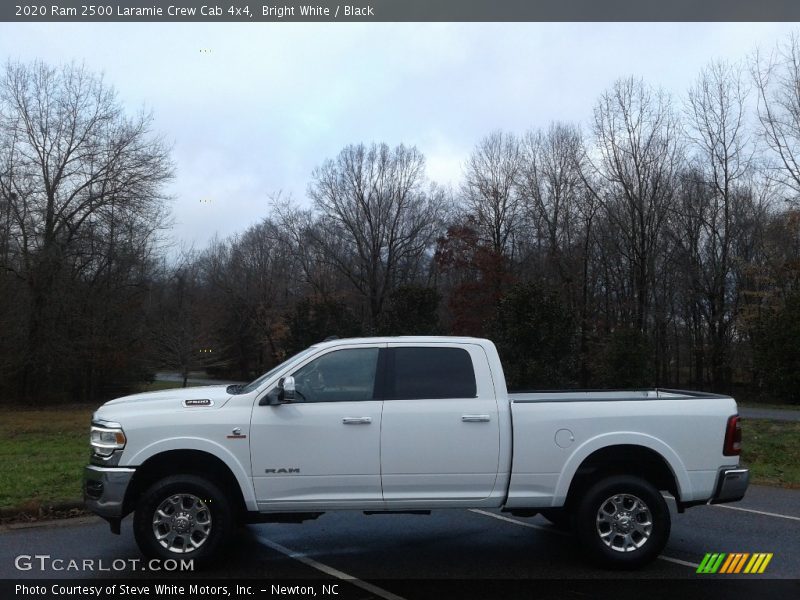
point(559, 518)
point(622, 522)
point(195, 518)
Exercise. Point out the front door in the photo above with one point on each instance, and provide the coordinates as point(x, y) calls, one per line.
point(323, 448)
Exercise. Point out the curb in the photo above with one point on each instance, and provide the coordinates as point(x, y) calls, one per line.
point(43, 512)
point(52, 523)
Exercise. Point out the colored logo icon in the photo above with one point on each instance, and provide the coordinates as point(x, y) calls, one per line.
point(736, 562)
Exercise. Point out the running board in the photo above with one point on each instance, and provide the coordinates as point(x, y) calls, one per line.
point(397, 512)
point(257, 517)
point(522, 512)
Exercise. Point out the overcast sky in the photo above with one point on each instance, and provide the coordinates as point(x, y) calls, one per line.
point(251, 109)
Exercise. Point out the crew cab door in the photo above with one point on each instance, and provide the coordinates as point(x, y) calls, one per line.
point(323, 448)
point(440, 436)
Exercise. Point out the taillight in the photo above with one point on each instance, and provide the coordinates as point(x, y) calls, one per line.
point(733, 437)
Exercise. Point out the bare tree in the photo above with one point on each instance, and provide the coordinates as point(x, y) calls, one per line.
point(489, 188)
point(777, 81)
point(177, 336)
point(320, 275)
point(376, 221)
point(248, 283)
point(550, 185)
point(84, 187)
point(709, 219)
point(638, 157)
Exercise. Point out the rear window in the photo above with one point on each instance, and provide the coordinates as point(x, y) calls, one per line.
point(420, 373)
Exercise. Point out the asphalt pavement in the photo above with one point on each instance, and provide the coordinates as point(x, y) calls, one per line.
point(448, 545)
point(773, 414)
point(380, 556)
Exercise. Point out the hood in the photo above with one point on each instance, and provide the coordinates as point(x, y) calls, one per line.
point(191, 398)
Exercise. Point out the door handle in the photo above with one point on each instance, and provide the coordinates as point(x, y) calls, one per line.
point(475, 418)
point(357, 420)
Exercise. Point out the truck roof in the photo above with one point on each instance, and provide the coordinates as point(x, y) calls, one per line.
point(413, 339)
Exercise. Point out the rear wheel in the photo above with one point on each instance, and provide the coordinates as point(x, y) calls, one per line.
point(182, 516)
point(623, 522)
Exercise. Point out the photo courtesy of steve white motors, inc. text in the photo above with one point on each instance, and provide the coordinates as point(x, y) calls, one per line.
point(171, 590)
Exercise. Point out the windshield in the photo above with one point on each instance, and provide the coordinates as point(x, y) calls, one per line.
point(257, 382)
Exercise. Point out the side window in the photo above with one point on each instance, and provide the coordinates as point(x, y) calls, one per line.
point(339, 376)
point(419, 373)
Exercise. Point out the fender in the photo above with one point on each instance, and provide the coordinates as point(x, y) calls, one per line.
point(615, 439)
point(218, 450)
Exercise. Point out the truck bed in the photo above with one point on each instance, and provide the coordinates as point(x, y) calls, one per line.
point(608, 395)
point(555, 431)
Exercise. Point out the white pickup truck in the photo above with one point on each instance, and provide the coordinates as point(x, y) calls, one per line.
point(410, 424)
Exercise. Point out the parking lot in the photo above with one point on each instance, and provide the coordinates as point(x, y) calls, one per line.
point(379, 555)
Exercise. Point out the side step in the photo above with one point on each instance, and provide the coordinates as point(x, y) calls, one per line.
point(255, 517)
point(522, 512)
point(397, 512)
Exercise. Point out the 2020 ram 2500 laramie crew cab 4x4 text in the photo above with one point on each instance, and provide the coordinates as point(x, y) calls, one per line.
point(408, 424)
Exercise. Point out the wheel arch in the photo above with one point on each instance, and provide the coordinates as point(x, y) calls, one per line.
point(186, 462)
point(632, 454)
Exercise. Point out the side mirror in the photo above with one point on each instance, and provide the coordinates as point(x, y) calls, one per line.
point(282, 394)
point(287, 389)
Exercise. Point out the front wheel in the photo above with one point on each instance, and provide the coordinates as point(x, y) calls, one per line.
point(623, 522)
point(182, 516)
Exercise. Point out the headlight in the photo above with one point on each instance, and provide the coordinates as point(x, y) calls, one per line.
point(106, 438)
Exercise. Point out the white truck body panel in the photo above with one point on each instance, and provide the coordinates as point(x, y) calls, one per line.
point(337, 462)
point(442, 449)
point(688, 434)
point(159, 422)
point(426, 453)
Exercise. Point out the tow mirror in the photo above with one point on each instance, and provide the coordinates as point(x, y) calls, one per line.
point(282, 394)
point(287, 389)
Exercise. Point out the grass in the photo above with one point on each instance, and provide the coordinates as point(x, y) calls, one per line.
point(771, 450)
point(42, 455)
point(43, 452)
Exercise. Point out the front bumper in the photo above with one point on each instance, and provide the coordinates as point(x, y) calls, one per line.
point(731, 485)
point(104, 490)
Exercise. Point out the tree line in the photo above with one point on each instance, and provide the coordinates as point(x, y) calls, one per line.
point(656, 245)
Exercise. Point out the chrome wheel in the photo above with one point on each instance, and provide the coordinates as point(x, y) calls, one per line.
point(182, 523)
point(624, 522)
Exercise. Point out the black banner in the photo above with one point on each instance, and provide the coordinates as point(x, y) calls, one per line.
point(401, 10)
point(712, 588)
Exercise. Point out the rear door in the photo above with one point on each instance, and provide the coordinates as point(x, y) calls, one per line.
point(440, 438)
